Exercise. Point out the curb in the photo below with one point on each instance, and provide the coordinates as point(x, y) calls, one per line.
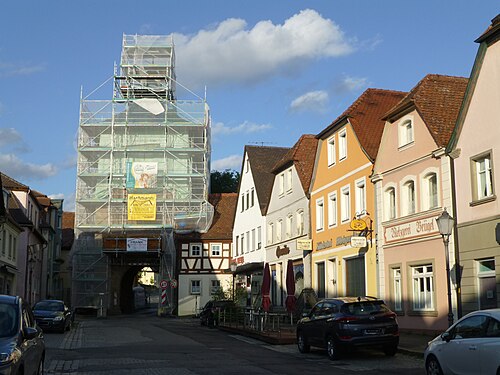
point(411, 352)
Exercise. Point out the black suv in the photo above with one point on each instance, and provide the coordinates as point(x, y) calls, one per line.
point(343, 323)
point(209, 315)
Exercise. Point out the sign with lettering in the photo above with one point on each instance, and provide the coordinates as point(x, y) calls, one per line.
point(358, 241)
point(137, 244)
point(304, 245)
point(411, 230)
point(323, 245)
point(280, 251)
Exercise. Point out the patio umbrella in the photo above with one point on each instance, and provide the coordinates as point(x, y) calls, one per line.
point(266, 288)
point(290, 288)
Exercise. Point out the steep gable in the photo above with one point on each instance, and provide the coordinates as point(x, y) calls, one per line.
point(224, 210)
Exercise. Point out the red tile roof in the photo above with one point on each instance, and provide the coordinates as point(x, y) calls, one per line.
point(365, 116)
point(437, 98)
point(303, 156)
point(222, 223)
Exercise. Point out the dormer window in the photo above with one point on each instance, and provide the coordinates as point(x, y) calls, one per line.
point(405, 132)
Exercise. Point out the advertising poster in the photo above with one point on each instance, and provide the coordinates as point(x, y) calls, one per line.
point(142, 207)
point(137, 244)
point(141, 174)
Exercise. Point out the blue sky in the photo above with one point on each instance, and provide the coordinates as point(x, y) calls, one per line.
point(273, 70)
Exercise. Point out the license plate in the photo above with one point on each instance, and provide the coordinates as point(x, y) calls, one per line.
point(373, 331)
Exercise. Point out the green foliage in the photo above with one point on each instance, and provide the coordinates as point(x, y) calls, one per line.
point(224, 182)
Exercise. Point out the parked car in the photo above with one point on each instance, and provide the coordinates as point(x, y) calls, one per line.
point(22, 347)
point(470, 346)
point(53, 315)
point(344, 323)
point(209, 315)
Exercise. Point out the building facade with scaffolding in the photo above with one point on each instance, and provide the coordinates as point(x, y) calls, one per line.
point(143, 173)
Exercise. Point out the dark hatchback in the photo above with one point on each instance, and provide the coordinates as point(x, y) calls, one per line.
point(22, 347)
point(209, 315)
point(344, 323)
point(53, 315)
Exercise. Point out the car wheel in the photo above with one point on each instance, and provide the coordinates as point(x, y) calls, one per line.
point(40, 368)
point(302, 344)
point(390, 350)
point(332, 349)
point(432, 366)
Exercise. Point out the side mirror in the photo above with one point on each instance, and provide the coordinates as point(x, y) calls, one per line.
point(30, 333)
point(446, 336)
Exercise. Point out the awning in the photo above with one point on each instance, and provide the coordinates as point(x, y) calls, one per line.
point(249, 268)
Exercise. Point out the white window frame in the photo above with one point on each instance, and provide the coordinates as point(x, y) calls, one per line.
point(332, 209)
point(289, 226)
point(242, 239)
point(406, 198)
point(253, 239)
point(397, 288)
point(427, 200)
point(259, 237)
point(423, 300)
point(281, 183)
point(289, 180)
point(195, 287)
point(252, 197)
point(390, 202)
point(270, 233)
point(482, 177)
point(279, 230)
point(300, 222)
point(360, 195)
point(406, 132)
point(331, 153)
point(345, 204)
point(320, 215)
point(343, 144)
point(248, 242)
point(214, 286)
point(195, 252)
point(213, 251)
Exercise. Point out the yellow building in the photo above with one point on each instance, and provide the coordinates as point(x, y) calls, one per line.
point(342, 198)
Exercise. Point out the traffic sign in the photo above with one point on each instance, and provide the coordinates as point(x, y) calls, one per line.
point(173, 283)
point(164, 284)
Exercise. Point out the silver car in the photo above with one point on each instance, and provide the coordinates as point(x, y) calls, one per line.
point(470, 346)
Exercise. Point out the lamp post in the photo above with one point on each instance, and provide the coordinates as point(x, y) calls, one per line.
point(445, 224)
point(233, 266)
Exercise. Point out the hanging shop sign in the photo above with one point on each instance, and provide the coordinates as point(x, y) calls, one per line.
point(141, 175)
point(280, 251)
point(411, 230)
point(358, 224)
point(358, 241)
point(142, 207)
point(304, 245)
point(137, 244)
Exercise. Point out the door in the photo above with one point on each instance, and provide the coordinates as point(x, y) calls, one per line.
point(332, 278)
point(355, 276)
point(320, 267)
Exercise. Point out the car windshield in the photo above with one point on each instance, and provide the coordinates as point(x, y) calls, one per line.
point(49, 306)
point(365, 308)
point(8, 320)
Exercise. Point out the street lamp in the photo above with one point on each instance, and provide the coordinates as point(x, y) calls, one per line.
point(445, 224)
point(233, 266)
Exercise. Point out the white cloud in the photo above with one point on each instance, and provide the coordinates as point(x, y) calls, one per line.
point(11, 165)
point(246, 127)
point(69, 201)
point(314, 101)
point(230, 162)
point(230, 52)
point(10, 69)
point(349, 84)
point(9, 136)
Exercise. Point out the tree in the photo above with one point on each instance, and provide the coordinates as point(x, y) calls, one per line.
point(224, 182)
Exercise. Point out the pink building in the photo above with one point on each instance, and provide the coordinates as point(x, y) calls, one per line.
point(412, 187)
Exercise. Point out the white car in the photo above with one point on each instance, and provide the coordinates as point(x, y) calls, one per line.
point(470, 346)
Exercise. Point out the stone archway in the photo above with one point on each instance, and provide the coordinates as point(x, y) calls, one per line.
point(126, 291)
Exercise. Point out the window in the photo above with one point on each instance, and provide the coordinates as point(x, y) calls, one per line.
point(237, 244)
point(253, 239)
point(345, 204)
point(405, 132)
point(270, 233)
point(247, 166)
point(360, 196)
point(247, 249)
point(319, 214)
point(471, 328)
point(195, 249)
point(242, 243)
point(390, 203)
point(486, 282)
point(423, 287)
point(279, 230)
point(342, 145)
point(195, 287)
point(14, 248)
point(430, 192)
point(288, 226)
point(242, 202)
point(252, 197)
point(3, 242)
point(289, 180)
point(248, 199)
point(214, 287)
point(281, 183)
point(216, 249)
point(482, 177)
point(332, 209)
point(259, 237)
point(10, 246)
point(408, 198)
point(397, 289)
point(331, 151)
point(300, 223)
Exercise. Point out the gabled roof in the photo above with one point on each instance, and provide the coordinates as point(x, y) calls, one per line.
point(10, 184)
point(493, 31)
point(365, 116)
point(437, 99)
point(302, 155)
point(262, 160)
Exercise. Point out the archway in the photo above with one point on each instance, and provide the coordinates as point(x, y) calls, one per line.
point(126, 292)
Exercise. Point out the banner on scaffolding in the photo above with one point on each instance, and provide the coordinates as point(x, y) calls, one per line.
point(142, 207)
point(141, 174)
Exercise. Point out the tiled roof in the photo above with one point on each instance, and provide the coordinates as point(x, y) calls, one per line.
point(365, 116)
point(262, 160)
point(303, 156)
point(438, 99)
point(491, 31)
point(10, 184)
point(68, 233)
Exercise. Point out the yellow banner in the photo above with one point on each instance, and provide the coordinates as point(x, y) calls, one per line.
point(142, 207)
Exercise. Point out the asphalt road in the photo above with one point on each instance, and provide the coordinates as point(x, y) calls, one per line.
point(145, 344)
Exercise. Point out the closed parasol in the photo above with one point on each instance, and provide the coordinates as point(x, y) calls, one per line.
point(291, 300)
point(266, 288)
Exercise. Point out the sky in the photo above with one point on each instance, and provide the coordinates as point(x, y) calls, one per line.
point(270, 70)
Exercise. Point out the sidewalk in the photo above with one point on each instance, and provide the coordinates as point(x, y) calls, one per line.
point(414, 343)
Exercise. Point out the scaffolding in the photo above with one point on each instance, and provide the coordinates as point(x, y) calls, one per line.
point(143, 157)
